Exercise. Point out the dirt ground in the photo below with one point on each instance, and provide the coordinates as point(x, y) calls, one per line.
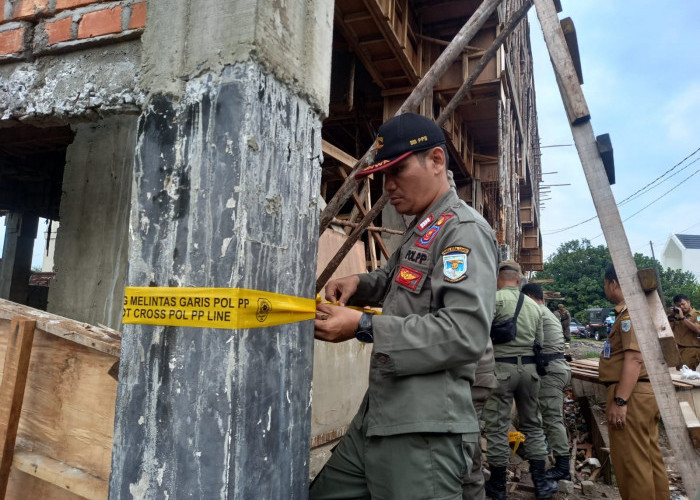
point(519, 482)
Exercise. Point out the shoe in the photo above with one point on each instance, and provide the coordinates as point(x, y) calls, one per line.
point(496, 485)
point(560, 470)
point(544, 488)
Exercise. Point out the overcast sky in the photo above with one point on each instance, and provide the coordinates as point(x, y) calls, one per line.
point(642, 85)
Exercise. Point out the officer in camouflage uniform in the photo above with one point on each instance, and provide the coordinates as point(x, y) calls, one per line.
point(416, 428)
point(552, 385)
point(630, 407)
point(518, 380)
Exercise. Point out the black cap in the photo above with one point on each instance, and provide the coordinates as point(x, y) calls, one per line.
point(401, 136)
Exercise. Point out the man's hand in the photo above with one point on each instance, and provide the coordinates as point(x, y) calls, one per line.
point(336, 324)
point(340, 290)
point(616, 416)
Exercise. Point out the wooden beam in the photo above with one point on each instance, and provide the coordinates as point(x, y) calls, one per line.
point(692, 422)
point(14, 378)
point(100, 338)
point(564, 70)
point(62, 475)
point(643, 314)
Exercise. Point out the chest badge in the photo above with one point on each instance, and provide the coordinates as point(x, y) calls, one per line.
point(626, 325)
point(408, 277)
point(454, 263)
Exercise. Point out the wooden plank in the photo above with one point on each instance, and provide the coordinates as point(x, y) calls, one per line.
point(664, 334)
point(692, 422)
point(100, 338)
point(62, 475)
point(67, 411)
point(14, 378)
point(647, 278)
point(564, 70)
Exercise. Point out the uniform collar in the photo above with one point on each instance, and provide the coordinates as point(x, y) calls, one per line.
point(620, 308)
point(421, 225)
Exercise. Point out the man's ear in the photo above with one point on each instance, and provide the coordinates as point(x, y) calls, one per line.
point(437, 155)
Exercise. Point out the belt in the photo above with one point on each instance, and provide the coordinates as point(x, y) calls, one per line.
point(608, 384)
point(513, 360)
point(552, 357)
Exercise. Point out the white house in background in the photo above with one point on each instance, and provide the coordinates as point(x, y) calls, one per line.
point(682, 251)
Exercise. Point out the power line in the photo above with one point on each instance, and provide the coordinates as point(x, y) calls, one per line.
point(561, 230)
point(662, 175)
point(650, 204)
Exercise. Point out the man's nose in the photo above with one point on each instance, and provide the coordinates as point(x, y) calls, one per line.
point(389, 183)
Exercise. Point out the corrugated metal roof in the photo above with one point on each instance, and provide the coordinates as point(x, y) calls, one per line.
point(689, 241)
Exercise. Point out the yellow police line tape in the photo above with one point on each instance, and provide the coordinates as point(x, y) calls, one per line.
point(230, 308)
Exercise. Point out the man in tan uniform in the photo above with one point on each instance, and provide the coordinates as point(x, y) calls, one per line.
point(631, 410)
point(685, 323)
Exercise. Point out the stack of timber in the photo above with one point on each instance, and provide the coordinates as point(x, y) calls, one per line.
point(57, 405)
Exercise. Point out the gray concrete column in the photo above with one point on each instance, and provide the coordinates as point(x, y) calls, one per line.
point(92, 242)
point(20, 233)
point(226, 182)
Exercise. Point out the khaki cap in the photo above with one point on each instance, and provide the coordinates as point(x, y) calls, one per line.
point(509, 265)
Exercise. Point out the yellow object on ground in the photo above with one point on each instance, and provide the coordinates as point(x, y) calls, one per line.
point(516, 438)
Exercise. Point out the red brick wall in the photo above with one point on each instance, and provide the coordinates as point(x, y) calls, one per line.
point(37, 27)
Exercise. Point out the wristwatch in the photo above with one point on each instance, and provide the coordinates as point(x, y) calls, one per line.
point(620, 401)
point(364, 329)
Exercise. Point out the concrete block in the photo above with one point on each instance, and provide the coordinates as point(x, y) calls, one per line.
point(588, 488)
point(566, 487)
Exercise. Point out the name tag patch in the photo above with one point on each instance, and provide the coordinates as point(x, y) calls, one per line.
point(417, 257)
point(454, 261)
point(408, 277)
point(425, 222)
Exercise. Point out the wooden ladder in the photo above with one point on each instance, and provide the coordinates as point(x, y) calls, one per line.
point(651, 325)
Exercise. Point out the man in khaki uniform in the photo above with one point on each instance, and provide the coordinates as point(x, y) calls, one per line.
point(416, 428)
point(565, 318)
point(685, 323)
point(484, 384)
point(517, 380)
point(552, 385)
point(631, 410)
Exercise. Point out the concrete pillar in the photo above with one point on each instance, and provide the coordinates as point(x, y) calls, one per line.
point(91, 253)
point(226, 182)
point(20, 233)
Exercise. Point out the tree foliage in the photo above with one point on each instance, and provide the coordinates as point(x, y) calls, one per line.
point(577, 268)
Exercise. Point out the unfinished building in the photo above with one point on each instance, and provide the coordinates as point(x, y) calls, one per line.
point(187, 145)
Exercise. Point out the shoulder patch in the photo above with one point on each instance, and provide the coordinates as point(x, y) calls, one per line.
point(425, 222)
point(427, 239)
point(454, 262)
point(626, 325)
